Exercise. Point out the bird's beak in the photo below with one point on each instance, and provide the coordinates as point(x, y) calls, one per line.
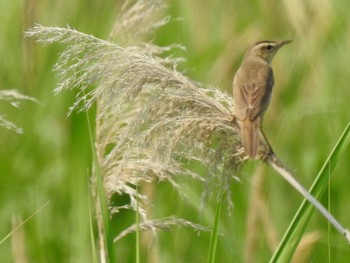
point(285, 42)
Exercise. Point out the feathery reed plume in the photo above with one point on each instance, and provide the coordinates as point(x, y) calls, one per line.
point(14, 98)
point(152, 121)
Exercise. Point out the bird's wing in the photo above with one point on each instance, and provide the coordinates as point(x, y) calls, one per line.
point(241, 98)
point(253, 96)
point(259, 100)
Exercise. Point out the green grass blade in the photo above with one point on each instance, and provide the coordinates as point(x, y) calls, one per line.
point(91, 225)
point(214, 233)
point(137, 260)
point(110, 250)
point(296, 229)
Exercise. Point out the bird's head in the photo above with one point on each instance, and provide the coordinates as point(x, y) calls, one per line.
point(266, 49)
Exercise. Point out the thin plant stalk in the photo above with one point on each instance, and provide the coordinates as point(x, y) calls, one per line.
point(329, 209)
point(293, 182)
point(137, 260)
point(23, 222)
point(102, 205)
point(215, 231)
point(92, 236)
point(296, 228)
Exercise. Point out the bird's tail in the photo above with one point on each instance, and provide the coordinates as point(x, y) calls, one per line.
point(250, 136)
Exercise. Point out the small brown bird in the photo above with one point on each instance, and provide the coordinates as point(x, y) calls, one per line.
point(252, 87)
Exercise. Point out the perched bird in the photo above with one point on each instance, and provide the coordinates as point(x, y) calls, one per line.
point(252, 87)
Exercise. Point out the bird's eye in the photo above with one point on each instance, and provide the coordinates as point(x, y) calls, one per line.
point(269, 47)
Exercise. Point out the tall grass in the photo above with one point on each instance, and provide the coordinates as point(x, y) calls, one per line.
point(51, 159)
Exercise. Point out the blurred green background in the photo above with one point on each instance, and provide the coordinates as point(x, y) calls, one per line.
point(51, 161)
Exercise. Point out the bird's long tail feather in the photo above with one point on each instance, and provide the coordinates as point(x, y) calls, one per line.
point(250, 137)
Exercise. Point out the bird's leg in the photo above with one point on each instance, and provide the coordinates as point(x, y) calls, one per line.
point(270, 152)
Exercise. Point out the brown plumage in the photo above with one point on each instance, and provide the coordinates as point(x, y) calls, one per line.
point(252, 88)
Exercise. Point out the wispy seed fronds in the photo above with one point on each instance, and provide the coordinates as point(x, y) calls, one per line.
point(14, 98)
point(119, 73)
point(161, 224)
point(9, 125)
point(138, 19)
